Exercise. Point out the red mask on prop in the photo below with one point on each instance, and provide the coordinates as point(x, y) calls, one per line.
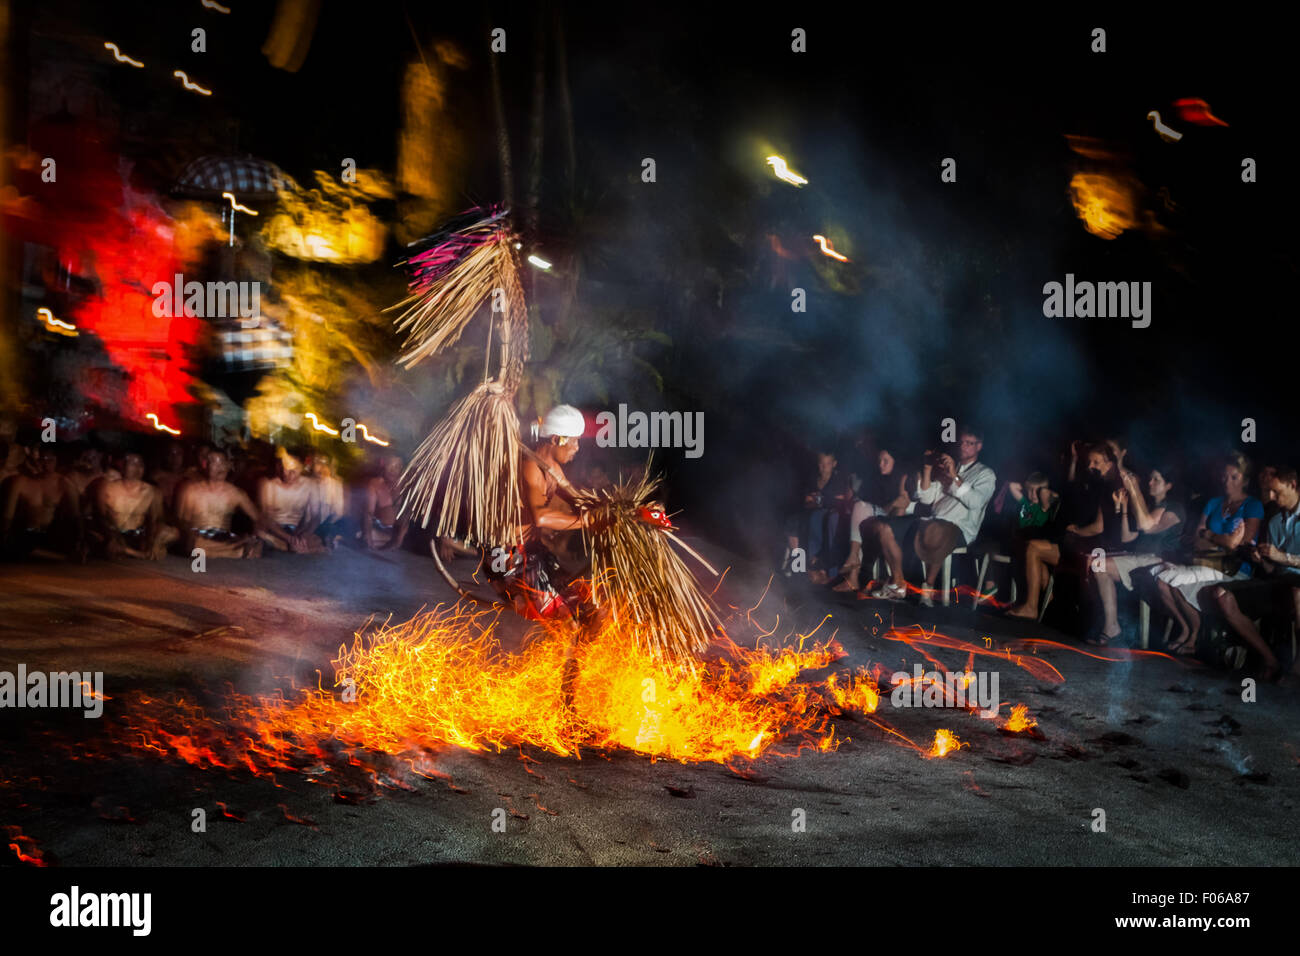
point(656, 517)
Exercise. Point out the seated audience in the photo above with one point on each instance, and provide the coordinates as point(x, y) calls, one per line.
point(1155, 539)
point(331, 499)
point(42, 509)
point(205, 508)
point(1228, 522)
point(1094, 526)
point(1274, 586)
point(958, 492)
point(881, 493)
point(381, 529)
point(129, 514)
point(827, 498)
point(289, 507)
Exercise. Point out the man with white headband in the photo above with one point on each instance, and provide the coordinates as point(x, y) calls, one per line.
point(549, 589)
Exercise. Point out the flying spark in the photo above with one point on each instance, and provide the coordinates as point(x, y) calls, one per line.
point(213, 5)
point(783, 172)
point(828, 249)
point(120, 56)
point(539, 262)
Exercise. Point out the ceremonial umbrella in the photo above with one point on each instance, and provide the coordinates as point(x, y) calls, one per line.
point(232, 178)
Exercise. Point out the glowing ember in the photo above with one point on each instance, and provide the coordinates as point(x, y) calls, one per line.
point(237, 207)
point(1019, 721)
point(189, 84)
point(945, 742)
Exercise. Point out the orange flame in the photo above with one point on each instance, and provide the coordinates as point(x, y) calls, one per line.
point(945, 742)
point(1103, 203)
point(1019, 721)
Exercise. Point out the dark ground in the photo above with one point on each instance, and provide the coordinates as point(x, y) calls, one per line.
point(1162, 746)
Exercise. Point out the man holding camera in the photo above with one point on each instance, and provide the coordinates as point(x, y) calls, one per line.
point(957, 492)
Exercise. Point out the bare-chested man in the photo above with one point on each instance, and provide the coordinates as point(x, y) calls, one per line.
point(331, 499)
point(42, 509)
point(205, 508)
point(380, 528)
point(170, 473)
point(129, 513)
point(288, 504)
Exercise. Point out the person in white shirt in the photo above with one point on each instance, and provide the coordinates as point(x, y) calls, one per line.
point(958, 493)
point(331, 498)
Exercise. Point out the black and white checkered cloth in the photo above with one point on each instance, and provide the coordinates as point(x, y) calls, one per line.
point(246, 177)
point(267, 346)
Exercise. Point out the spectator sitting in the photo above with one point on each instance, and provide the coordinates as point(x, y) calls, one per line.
point(1094, 525)
point(289, 508)
point(331, 499)
point(1275, 583)
point(1035, 503)
point(169, 474)
point(129, 514)
point(1159, 526)
point(881, 493)
point(42, 509)
point(1227, 523)
point(205, 508)
point(381, 529)
point(827, 498)
point(958, 493)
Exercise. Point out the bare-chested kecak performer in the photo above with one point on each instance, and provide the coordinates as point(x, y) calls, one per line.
point(129, 514)
point(469, 471)
point(381, 528)
point(42, 509)
point(205, 508)
point(289, 508)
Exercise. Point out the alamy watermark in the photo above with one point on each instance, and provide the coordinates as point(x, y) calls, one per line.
point(624, 429)
point(71, 689)
point(1098, 300)
point(956, 689)
point(207, 300)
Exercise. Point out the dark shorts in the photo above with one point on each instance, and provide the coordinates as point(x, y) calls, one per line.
point(1264, 596)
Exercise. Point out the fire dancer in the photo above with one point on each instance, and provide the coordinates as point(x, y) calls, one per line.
point(537, 581)
point(206, 507)
point(129, 514)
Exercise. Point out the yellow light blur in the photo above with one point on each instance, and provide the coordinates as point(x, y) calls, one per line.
point(365, 432)
point(236, 206)
point(784, 173)
point(188, 84)
point(539, 262)
point(319, 427)
point(159, 426)
point(56, 325)
point(829, 250)
point(1104, 203)
point(120, 56)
